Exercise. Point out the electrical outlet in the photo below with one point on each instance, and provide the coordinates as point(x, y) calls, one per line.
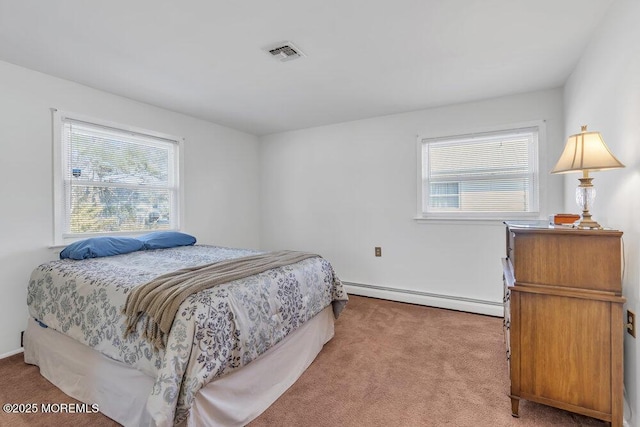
point(378, 251)
point(631, 323)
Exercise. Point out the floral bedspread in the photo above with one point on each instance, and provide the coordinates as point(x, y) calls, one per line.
point(214, 332)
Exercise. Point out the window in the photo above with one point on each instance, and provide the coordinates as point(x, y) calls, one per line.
point(110, 179)
point(444, 194)
point(487, 175)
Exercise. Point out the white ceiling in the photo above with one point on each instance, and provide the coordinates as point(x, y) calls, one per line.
point(365, 58)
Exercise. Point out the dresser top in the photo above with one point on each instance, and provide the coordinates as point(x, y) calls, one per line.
point(542, 226)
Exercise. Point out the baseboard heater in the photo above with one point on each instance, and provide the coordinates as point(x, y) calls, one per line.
point(472, 305)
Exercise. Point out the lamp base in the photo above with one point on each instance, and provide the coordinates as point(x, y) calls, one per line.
point(588, 223)
point(585, 196)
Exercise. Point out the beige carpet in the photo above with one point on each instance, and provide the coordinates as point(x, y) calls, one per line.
point(389, 364)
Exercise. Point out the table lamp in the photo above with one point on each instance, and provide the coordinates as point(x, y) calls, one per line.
point(585, 152)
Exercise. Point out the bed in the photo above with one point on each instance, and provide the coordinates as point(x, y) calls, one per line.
point(232, 350)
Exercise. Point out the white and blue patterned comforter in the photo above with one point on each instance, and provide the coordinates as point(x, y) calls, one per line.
point(214, 332)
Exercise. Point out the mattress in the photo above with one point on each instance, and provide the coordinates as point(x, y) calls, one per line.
point(215, 332)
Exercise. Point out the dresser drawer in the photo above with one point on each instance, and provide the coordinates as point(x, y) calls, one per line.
point(510, 244)
point(506, 300)
point(506, 324)
point(583, 259)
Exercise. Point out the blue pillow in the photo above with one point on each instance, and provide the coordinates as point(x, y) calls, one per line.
point(101, 246)
point(166, 239)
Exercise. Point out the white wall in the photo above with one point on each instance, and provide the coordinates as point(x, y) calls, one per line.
point(340, 190)
point(220, 180)
point(604, 93)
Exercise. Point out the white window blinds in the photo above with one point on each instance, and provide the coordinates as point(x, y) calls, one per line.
point(115, 181)
point(483, 175)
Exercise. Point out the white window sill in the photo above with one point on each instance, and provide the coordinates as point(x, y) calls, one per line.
point(473, 221)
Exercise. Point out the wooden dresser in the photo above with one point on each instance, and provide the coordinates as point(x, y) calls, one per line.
point(563, 319)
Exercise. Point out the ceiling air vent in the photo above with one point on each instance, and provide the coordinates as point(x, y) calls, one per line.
point(286, 52)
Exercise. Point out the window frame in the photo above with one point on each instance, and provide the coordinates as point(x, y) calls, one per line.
point(490, 217)
point(60, 209)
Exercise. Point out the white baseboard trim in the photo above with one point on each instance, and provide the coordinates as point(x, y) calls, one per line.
point(471, 305)
point(11, 353)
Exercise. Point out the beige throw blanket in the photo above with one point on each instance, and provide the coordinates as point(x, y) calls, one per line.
point(160, 299)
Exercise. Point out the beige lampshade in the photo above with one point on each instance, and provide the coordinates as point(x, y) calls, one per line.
point(586, 151)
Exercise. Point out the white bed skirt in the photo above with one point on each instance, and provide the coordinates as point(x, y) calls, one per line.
point(121, 391)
